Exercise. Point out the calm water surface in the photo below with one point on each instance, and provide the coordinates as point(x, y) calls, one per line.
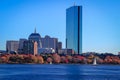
point(59, 72)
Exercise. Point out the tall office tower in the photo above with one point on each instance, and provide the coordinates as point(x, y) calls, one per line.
point(12, 46)
point(49, 42)
point(30, 47)
point(36, 37)
point(21, 41)
point(74, 28)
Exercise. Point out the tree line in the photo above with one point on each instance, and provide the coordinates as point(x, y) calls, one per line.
point(59, 58)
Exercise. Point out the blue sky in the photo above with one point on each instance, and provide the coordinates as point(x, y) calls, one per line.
point(101, 21)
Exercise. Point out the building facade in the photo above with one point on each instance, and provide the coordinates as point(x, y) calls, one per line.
point(59, 45)
point(48, 42)
point(74, 28)
point(30, 47)
point(35, 37)
point(46, 50)
point(21, 43)
point(12, 46)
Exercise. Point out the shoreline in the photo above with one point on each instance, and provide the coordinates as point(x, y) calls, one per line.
point(56, 64)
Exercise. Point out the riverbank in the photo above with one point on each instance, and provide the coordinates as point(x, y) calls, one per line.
point(58, 59)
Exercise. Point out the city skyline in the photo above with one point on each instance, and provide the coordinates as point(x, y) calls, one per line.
point(34, 44)
point(100, 22)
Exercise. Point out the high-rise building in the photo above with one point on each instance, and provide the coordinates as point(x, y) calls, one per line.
point(12, 46)
point(21, 41)
point(36, 37)
point(49, 42)
point(30, 47)
point(74, 28)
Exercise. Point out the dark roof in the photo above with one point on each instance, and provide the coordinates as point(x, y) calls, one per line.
point(34, 35)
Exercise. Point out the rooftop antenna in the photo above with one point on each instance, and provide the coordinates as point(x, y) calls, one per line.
point(74, 3)
point(35, 30)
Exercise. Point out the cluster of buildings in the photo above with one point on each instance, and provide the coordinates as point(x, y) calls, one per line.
point(36, 44)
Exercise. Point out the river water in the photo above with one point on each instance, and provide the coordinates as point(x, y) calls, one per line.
point(59, 72)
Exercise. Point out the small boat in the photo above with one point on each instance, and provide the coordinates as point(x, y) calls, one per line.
point(95, 61)
point(50, 62)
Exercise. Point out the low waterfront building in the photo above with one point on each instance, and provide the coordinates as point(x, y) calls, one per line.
point(46, 50)
point(66, 51)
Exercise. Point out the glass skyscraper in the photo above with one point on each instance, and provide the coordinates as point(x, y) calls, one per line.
point(74, 28)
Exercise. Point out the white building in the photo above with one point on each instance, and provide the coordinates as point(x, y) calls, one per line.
point(46, 50)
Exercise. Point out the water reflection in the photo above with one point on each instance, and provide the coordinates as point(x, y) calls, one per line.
point(90, 72)
point(59, 72)
point(73, 72)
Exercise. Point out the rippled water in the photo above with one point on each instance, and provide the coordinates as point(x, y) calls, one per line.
point(59, 72)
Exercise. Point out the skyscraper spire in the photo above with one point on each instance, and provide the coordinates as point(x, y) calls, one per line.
point(35, 30)
point(74, 3)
